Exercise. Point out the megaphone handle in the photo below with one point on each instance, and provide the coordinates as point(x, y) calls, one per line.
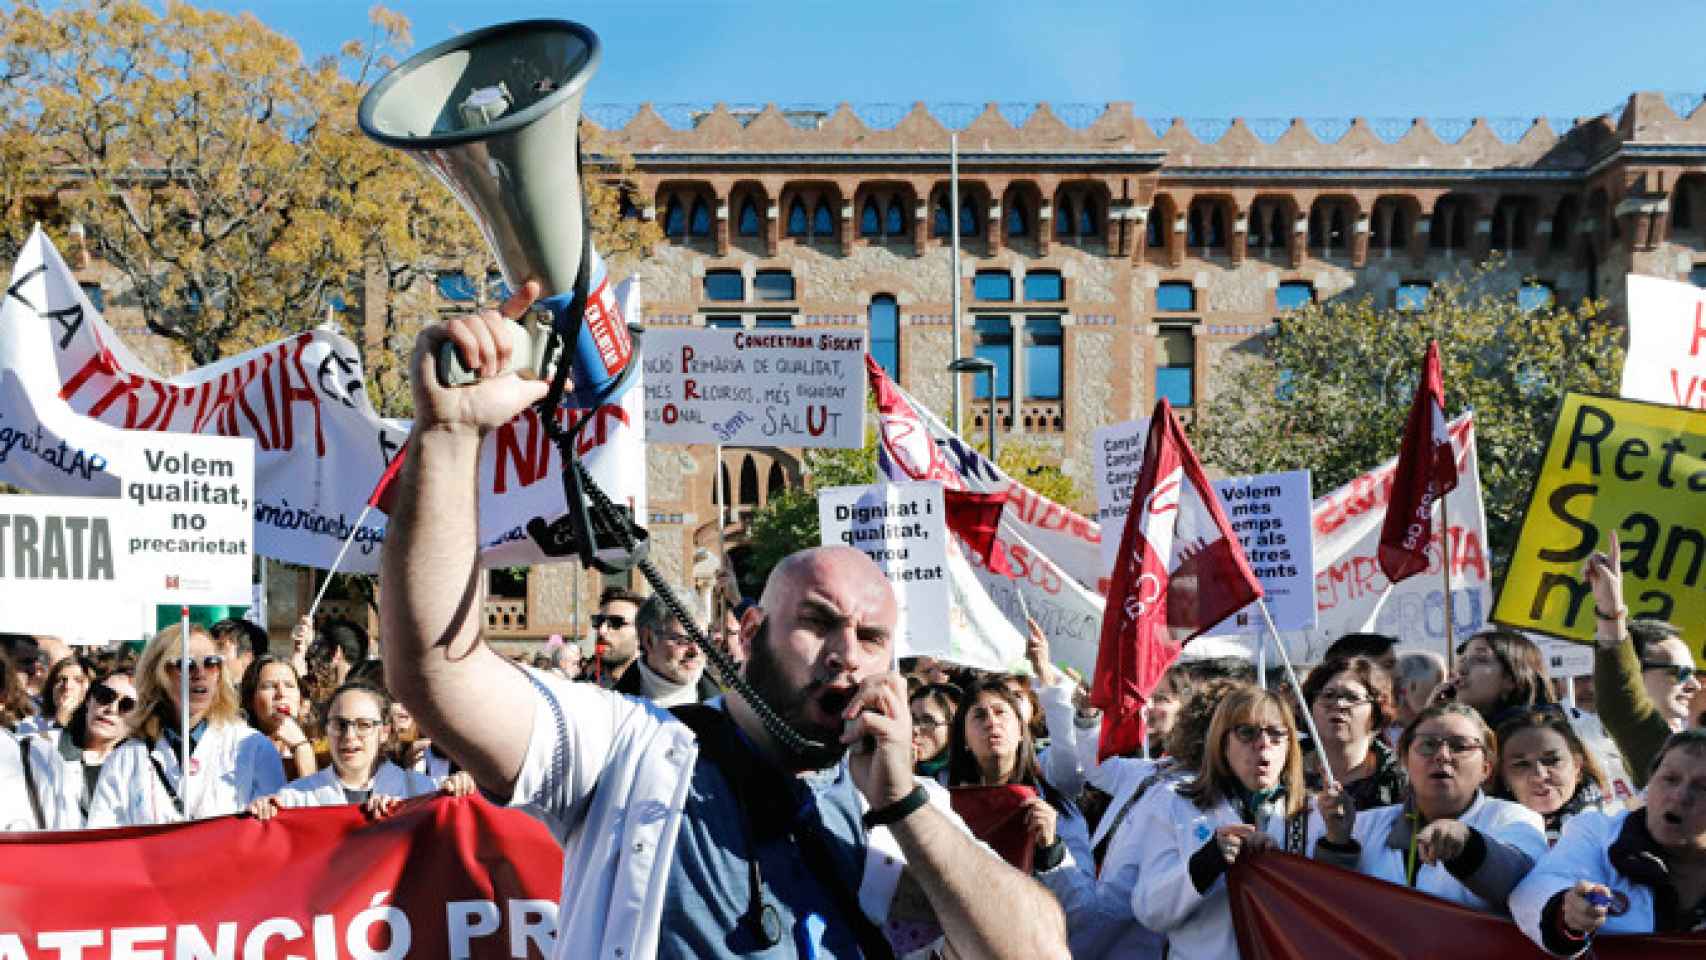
point(526, 348)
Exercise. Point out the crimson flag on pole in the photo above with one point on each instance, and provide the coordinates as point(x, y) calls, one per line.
point(976, 519)
point(1179, 571)
point(1427, 470)
point(384, 495)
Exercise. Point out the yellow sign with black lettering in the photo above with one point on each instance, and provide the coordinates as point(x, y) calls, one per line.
point(1614, 465)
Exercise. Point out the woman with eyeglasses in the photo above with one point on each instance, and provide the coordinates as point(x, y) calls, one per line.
point(62, 692)
point(1544, 766)
point(230, 765)
point(1248, 794)
point(65, 766)
point(933, 708)
point(271, 693)
point(360, 732)
point(1351, 702)
point(1447, 838)
point(1640, 871)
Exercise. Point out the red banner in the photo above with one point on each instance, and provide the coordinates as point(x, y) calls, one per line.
point(1288, 908)
point(439, 878)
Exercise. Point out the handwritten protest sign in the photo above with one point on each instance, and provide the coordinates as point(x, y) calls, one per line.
point(770, 388)
point(1666, 362)
point(902, 528)
point(65, 568)
point(1613, 465)
point(192, 516)
point(1269, 514)
point(1117, 453)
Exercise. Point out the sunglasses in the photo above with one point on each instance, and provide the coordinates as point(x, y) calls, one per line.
point(1679, 672)
point(105, 696)
point(1248, 732)
point(610, 620)
point(209, 663)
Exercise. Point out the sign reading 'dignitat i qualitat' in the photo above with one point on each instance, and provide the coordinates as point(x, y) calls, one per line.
point(191, 502)
point(902, 527)
point(762, 388)
point(65, 568)
point(1117, 452)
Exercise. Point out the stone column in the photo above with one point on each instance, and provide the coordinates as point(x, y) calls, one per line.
point(721, 229)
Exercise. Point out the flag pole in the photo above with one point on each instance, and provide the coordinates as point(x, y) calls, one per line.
point(184, 699)
point(339, 561)
point(1308, 716)
point(1445, 543)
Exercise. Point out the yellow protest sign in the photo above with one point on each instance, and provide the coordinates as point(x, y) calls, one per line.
point(1614, 465)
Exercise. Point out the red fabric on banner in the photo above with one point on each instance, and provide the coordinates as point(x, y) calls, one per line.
point(384, 493)
point(976, 519)
point(1285, 907)
point(1179, 571)
point(1426, 471)
point(305, 883)
point(996, 815)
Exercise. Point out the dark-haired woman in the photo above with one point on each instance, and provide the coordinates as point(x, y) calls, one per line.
point(271, 694)
point(66, 765)
point(1350, 699)
point(1545, 767)
point(62, 692)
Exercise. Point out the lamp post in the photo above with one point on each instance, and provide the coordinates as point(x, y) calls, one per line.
point(981, 365)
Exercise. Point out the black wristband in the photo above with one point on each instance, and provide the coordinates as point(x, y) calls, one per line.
point(1049, 857)
point(898, 810)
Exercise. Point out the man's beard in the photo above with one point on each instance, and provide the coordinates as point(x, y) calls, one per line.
point(764, 674)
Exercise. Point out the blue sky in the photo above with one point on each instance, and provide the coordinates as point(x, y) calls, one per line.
point(1444, 58)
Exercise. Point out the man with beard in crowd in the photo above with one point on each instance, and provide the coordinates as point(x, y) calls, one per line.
point(710, 840)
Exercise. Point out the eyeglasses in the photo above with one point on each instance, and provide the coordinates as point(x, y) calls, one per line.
point(209, 663)
point(342, 725)
point(611, 620)
point(1339, 696)
point(1428, 746)
point(1248, 732)
point(1679, 672)
point(105, 696)
point(927, 724)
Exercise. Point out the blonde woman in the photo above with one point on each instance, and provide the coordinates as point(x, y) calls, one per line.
point(231, 763)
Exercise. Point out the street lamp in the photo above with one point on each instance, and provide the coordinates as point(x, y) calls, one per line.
point(981, 365)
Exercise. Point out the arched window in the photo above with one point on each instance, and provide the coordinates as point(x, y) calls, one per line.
point(748, 223)
point(870, 221)
point(1063, 219)
point(940, 225)
point(1317, 229)
point(1217, 227)
point(699, 222)
point(1018, 223)
point(1156, 237)
point(895, 223)
point(823, 222)
point(674, 218)
point(1276, 228)
point(1194, 233)
point(748, 483)
point(777, 483)
point(1089, 224)
point(969, 220)
point(1336, 229)
point(884, 317)
point(797, 226)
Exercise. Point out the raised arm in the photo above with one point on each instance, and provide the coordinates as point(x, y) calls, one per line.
point(477, 707)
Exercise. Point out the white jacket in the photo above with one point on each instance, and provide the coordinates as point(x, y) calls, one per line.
point(1170, 828)
point(1582, 853)
point(1515, 826)
point(608, 776)
point(232, 765)
point(323, 789)
point(57, 765)
point(15, 811)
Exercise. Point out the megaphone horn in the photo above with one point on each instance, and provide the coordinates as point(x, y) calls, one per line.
point(494, 115)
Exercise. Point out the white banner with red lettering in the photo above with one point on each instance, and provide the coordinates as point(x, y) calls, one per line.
point(69, 388)
point(1666, 362)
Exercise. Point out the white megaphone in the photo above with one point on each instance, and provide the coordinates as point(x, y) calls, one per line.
point(494, 114)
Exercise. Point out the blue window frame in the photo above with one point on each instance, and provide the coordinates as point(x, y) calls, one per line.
point(1018, 221)
point(723, 321)
point(699, 221)
point(1175, 297)
point(1411, 297)
point(777, 321)
point(797, 225)
point(995, 286)
point(894, 224)
point(1044, 286)
point(1175, 373)
point(747, 225)
point(458, 286)
point(1043, 340)
point(773, 285)
point(1294, 295)
point(870, 221)
point(725, 285)
point(995, 344)
point(823, 222)
point(884, 321)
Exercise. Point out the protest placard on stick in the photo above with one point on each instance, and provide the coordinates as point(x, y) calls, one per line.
point(902, 528)
point(66, 570)
point(1117, 452)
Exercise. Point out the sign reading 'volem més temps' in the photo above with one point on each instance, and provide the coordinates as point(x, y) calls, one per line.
point(1636, 469)
point(1269, 514)
point(764, 388)
point(902, 528)
point(65, 568)
point(192, 532)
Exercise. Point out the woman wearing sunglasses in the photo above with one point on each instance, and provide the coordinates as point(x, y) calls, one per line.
point(1447, 838)
point(359, 733)
point(66, 765)
point(1247, 794)
point(231, 763)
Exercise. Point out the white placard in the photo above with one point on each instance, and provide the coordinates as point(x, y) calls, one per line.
point(65, 570)
point(1117, 453)
point(759, 388)
point(1269, 513)
point(1566, 659)
point(191, 498)
point(1666, 362)
point(902, 527)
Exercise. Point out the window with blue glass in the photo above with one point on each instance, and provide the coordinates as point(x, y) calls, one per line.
point(497, 288)
point(1064, 222)
point(458, 286)
point(725, 285)
point(1044, 286)
point(1089, 223)
point(894, 222)
point(1175, 371)
point(773, 285)
point(1155, 239)
point(97, 296)
point(1175, 297)
point(1294, 295)
point(699, 221)
point(674, 218)
point(994, 343)
point(940, 225)
point(1018, 221)
point(775, 321)
point(723, 321)
point(970, 223)
point(823, 222)
point(995, 286)
point(797, 224)
point(1411, 296)
point(870, 221)
point(1533, 296)
point(1043, 340)
point(747, 224)
point(884, 321)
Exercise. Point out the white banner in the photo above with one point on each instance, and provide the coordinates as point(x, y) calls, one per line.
point(902, 528)
point(192, 516)
point(69, 389)
point(66, 570)
point(1116, 452)
point(1269, 512)
point(1666, 362)
point(757, 388)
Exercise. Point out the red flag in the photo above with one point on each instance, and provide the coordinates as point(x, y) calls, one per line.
point(1426, 471)
point(1179, 571)
point(976, 519)
point(996, 815)
point(384, 493)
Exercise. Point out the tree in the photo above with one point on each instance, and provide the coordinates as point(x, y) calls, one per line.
point(1331, 389)
point(788, 522)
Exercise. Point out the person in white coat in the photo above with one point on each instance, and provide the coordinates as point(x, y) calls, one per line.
point(1248, 795)
point(231, 763)
point(359, 733)
point(1641, 871)
point(16, 812)
point(1447, 839)
point(65, 766)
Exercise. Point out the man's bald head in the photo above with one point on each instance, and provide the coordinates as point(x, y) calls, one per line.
point(793, 575)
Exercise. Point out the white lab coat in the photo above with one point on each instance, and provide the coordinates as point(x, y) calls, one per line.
point(15, 811)
point(323, 789)
point(57, 765)
point(233, 764)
